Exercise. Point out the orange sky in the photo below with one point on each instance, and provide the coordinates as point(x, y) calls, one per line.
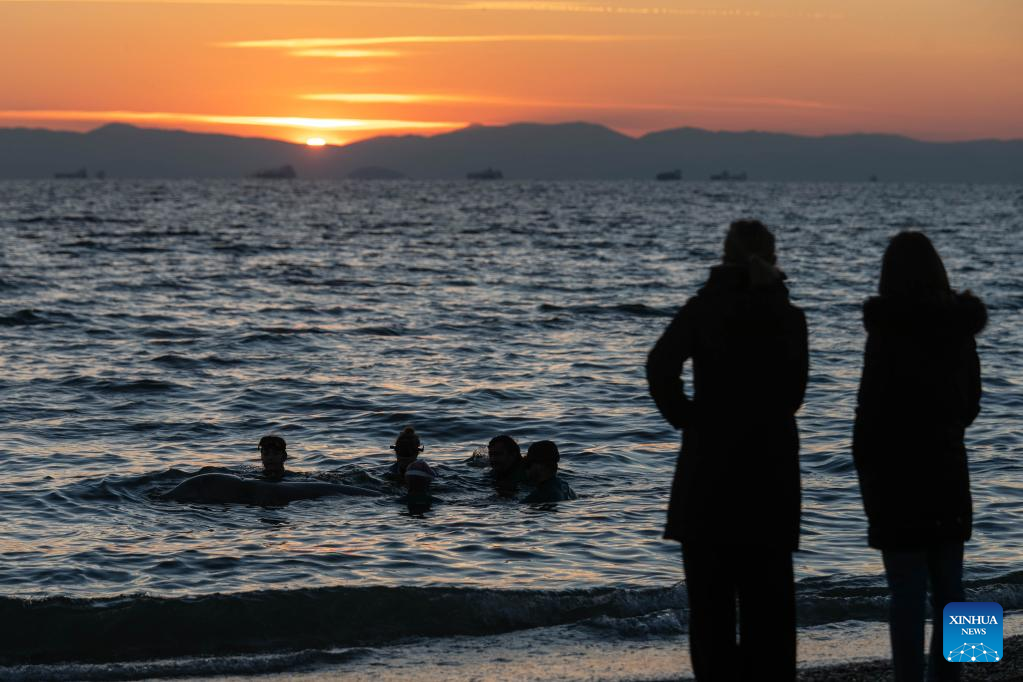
point(347, 69)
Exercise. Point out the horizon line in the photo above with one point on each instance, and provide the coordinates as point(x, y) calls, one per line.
point(468, 126)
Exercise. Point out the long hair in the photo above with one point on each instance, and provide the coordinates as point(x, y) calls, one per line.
point(912, 268)
point(747, 239)
point(750, 243)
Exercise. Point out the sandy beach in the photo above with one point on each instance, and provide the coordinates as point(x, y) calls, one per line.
point(1010, 668)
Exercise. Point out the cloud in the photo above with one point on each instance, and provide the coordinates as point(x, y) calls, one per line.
point(300, 45)
point(346, 54)
point(350, 124)
point(700, 103)
point(419, 98)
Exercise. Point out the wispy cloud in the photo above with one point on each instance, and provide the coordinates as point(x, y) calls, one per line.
point(705, 103)
point(384, 98)
point(345, 54)
point(420, 98)
point(352, 124)
point(300, 45)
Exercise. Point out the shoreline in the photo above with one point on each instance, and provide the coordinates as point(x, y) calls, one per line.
point(1008, 669)
point(508, 657)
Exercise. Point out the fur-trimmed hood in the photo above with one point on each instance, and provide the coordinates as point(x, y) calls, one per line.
point(731, 278)
point(963, 313)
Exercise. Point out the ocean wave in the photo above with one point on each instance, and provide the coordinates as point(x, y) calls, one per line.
point(28, 317)
point(139, 626)
point(134, 627)
point(820, 600)
point(635, 309)
point(377, 331)
point(129, 386)
point(249, 664)
point(21, 318)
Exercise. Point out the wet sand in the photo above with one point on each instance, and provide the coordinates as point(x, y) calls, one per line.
point(1009, 668)
point(467, 660)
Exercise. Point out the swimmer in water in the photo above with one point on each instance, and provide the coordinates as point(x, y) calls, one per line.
point(406, 449)
point(507, 468)
point(542, 472)
point(270, 490)
point(418, 477)
point(273, 452)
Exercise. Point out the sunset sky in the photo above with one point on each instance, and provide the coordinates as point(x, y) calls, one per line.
point(342, 70)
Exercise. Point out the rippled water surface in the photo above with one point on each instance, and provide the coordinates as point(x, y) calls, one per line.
point(151, 329)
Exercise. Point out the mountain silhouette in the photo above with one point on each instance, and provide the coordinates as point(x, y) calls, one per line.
point(520, 151)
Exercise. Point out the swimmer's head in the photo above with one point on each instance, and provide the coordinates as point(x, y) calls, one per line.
point(541, 461)
point(418, 476)
point(273, 452)
point(504, 454)
point(406, 447)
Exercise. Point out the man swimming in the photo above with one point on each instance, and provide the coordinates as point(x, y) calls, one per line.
point(268, 491)
point(273, 452)
point(406, 449)
point(542, 471)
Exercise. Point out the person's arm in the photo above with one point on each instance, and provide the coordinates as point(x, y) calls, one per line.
point(866, 426)
point(664, 368)
point(799, 359)
point(973, 382)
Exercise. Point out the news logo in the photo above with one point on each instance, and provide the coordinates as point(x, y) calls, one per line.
point(972, 632)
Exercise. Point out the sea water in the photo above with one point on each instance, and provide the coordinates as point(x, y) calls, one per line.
point(155, 329)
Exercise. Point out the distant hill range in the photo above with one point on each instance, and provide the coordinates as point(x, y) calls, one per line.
point(518, 151)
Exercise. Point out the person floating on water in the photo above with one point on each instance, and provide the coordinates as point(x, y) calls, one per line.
point(418, 477)
point(270, 490)
point(541, 467)
point(273, 452)
point(507, 468)
point(406, 449)
point(735, 497)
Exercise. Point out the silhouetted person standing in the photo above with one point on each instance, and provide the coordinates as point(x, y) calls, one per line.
point(735, 498)
point(919, 391)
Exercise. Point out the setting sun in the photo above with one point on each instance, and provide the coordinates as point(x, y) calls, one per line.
point(316, 142)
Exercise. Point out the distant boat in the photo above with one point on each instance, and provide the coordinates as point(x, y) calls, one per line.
point(487, 174)
point(281, 173)
point(79, 174)
point(725, 175)
point(873, 178)
point(670, 175)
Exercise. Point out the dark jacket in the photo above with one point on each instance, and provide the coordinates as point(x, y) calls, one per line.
point(919, 391)
point(737, 477)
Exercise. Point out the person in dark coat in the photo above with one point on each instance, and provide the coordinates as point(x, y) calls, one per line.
point(919, 391)
point(735, 499)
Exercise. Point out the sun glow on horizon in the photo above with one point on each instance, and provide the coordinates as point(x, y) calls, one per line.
point(315, 142)
point(359, 68)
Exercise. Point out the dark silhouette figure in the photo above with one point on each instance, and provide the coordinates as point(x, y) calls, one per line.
point(919, 391)
point(270, 489)
point(507, 468)
point(273, 453)
point(221, 488)
point(407, 447)
point(541, 464)
point(418, 476)
point(735, 500)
